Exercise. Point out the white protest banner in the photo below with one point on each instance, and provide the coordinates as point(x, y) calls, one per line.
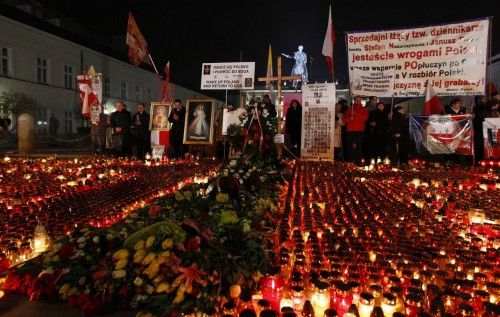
point(452, 57)
point(224, 76)
point(231, 117)
point(369, 83)
point(318, 121)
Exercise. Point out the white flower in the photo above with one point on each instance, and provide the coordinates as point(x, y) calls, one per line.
point(81, 245)
point(138, 281)
point(96, 239)
point(265, 113)
point(109, 236)
point(232, 163)
point(81, 240)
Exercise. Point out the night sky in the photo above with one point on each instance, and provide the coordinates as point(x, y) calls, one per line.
point(189, 33)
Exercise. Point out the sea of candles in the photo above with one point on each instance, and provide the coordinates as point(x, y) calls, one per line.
point(421, 239)
point(62, 194)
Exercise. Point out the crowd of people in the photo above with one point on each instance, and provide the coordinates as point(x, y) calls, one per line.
point(373, 131)
point(116, 134)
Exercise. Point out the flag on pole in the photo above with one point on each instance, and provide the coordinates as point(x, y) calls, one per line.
point(433, 104)
point(165, 93)
point(269, 84)
point(329, 41)
point(137, 45)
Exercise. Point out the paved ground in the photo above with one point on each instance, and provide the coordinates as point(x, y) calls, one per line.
point(19, 306)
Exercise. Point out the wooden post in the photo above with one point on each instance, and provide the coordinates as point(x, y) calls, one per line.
point(279, 107)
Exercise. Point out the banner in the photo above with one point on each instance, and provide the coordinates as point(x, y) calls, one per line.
point(229, 76)
point(491, 135)
point(90, 89)
point(442, 134)
point(318, 121)
point(451, 57)
point(373, 83)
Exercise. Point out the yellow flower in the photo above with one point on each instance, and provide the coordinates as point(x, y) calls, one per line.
point(149, 258)
point(139, 256)
point(167, 244)
point(121, 264)
point(120, 254)
point(72, 291)
point(222, 198)
point(55, 258)
point(163, 287)
point(178, 196)
point(64, 289)
point(139, 245)
point(150, 241)
point(119, 274)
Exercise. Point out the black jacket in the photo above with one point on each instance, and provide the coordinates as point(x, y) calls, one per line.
point(121, 119)
point(381, 122)
point(399, 125)
point(177, 128)
point(143, 128)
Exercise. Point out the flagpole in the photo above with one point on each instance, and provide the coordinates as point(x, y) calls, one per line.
point(154, 66)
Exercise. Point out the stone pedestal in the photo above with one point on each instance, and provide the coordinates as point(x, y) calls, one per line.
point(26, 133)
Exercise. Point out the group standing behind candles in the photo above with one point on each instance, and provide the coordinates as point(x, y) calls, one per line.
point(113, 134)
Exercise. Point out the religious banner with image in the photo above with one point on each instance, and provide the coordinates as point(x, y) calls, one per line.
point(369, 83)
point(90, 89)
point(227, 76)
point(491, 135)
point(452, 57)
point(199, 123)
point(158, 124)
point(318, 121)
point(442, 134)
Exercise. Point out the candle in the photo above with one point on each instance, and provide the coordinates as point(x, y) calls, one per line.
point(388, 304)
point(366, 304)
point(320, 299)
point(298, 297)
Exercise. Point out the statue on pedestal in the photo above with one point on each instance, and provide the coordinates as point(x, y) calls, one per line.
point(300, 68)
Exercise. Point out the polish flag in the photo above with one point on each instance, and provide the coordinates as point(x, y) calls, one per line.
point(160, 138)
point(137, 45)
point(433, 104)
point(329, 42)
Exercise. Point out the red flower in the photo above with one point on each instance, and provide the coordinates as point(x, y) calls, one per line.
point(83, 299)
point(194, 244)
point(244, 131)
point(4, 265)
point(256, 136)
point(99, 275)
point(66, 251)
point(154, 211)
point(73, 301)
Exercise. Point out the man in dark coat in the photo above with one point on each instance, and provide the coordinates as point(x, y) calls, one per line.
point(294, 126)
point(120, 121)
point(378, 125)
point(400, 136)
point(177, 117)
point(141, 123)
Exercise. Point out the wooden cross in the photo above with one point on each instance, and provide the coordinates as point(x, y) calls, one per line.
point(279, 79)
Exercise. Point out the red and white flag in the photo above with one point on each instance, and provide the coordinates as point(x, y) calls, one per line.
point(433, 104)
point(329, 42)
point(137, 45)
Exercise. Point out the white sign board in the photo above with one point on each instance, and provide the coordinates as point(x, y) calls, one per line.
point(318, 121)
point(369, 83)
point(222, 76)
point(279, 138)
point(231, 117)
point(452, 57)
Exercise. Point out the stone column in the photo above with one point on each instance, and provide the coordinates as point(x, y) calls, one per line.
point(26, 133)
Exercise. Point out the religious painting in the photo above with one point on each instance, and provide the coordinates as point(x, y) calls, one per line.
point(159, 116)
point(198, 126)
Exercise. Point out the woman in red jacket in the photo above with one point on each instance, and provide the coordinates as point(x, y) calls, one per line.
point(355, 118)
